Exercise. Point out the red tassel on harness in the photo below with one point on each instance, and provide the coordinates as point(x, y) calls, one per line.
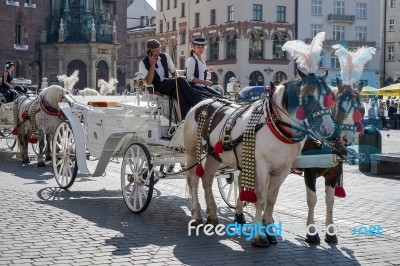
point(33, 139)
point(328, 101)
point(60, 114)
point(14, 131)
point(340, 192)
point(24, 116)
point(248, 195)
point(218, 147)
point(360, 127)
point(199, 170)
point(301, 113)
point(357, 117)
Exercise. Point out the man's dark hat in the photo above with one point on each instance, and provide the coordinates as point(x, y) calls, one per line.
point(199, 41)
point(153, 44)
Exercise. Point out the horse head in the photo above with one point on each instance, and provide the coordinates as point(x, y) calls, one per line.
point(53, 95)
point(348, 111)
point(315, 102)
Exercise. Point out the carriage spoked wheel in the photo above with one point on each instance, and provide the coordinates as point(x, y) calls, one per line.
point(228, 188)
point(137, 178)
point(11, 142)
point(64, 160)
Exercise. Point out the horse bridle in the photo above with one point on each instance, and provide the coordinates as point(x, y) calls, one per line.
point(355, 103)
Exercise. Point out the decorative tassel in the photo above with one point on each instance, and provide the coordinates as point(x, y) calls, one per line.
point(199, 170)
point(33, 139)
point(339, 191)
point(360, 127)
point(328, 101)
point(357, 117)
point(248, 195)
point(24, 116)
point(300, 113)
point(14, 131)
point(60, 114)
point(218, 147)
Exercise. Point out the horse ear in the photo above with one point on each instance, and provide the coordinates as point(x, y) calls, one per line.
point(359, 87)
point(339, 85)
point(324, 74)
point(301, 74)
point(271, 85)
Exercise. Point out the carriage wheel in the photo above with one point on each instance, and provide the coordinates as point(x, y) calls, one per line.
point(11, 142)
point(137, 178)
point(229, 188)
point(64, 160)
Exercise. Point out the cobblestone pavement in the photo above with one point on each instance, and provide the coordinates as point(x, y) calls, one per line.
point(90, 224)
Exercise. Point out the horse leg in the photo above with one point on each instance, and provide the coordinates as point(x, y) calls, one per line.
point(239, 216)
point(23, 145)
point(41, 148)
point(331, 229)
point(193, 182)
point(261, 185)
point(48, 147)
point(310, 180)
point(211, 167)
point(275, 182)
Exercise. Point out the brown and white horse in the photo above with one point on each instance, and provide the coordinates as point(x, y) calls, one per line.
point(37, 117)
point(347, 112)
point(273, 157)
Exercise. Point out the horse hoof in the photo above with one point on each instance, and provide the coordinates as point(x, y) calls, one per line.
point(331, 239)
point(313, 239)
point(197, 222)
point(212, 221)
point(239, 218)
point(26, 161)
point(41, 164)
point(260, 242)
point(48, 158)
point(272, 240)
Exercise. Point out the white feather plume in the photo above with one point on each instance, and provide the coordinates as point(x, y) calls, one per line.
point(307, 56)
point(107, 87)
point(69, 82)
point(352, 63)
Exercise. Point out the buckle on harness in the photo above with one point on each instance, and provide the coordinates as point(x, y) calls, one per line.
point(227, 139)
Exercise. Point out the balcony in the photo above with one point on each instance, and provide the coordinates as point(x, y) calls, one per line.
point(341, 18)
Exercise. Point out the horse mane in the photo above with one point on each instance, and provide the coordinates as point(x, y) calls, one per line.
point(107, 87)
point(53, 95)
point(69, 82)
point(290, 98)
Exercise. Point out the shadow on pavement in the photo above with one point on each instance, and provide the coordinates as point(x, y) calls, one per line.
point(165, 224)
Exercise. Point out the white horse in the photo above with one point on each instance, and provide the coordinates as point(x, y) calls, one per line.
point(37, 117)
point(106, 88)
point(273, 157)
point(88, 92)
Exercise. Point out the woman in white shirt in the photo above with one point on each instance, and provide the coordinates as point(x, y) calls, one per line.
point(196, 69)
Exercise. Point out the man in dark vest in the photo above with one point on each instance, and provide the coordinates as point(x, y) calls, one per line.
point(155, 69)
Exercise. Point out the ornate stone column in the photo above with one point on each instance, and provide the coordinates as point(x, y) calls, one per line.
point(92, 77)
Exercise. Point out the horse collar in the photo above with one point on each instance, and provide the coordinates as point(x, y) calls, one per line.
point(45, 106)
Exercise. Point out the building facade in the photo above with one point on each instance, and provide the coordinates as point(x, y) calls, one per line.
point(350, 23)
point(392, 42)
point(46, 38)
point(244, 37)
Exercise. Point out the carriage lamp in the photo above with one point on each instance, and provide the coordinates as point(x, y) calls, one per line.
point(220, 70)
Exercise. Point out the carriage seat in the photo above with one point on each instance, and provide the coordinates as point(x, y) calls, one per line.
point(103, 104)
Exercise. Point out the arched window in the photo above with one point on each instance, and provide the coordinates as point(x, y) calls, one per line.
point(231, 47)
point(82, 68)
point(278, 41)
point(279, 77)
point(228, 76)
point(213, 48)
point(256, 78)
point(214, 78)
point(256, 44)
point(102, 71)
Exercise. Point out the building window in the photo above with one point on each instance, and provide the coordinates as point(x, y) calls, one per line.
point(392, 3)
point(231, 47)
point(338, 8)
point(161, 5)
point(183, 9)
point(361, 10)
point(256, 78)
point(334, 61)
point(18, 33)
point(213, 49)
point(161, 26)
point(281, 14)
point(315, 29)
point(257, 12)
point(321, 60)
point(390, 52)
point(391, 24)
point(175, 3)
point(361, 33)
point(279, 77)
point(277, 41)
point(256, 44)
point(183, 37)
point(196, 20)
point(338, 32)
point(212, 17)
point(174, 24)
point(168, 2)
point(230, 13)
point(316, 7)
